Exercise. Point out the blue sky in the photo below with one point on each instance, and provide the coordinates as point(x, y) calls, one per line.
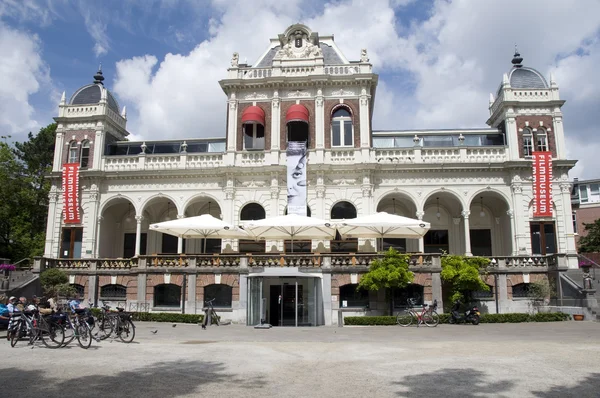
point(438, 60)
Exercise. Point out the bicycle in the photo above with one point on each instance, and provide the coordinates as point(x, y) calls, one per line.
point(428, 316)
point(77, 327)
point(209, 311)
point(37, 327)
point(119, 322)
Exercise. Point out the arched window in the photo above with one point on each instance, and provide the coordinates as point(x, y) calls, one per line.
point(352, 296)
point(73, 153)
point(343, 210)
point(521, 290)
point(113, 292)
point(527, 143)
point(541, 139)
point(483, 294)
point(85, 154)
point(167, 295)
point(412, 291)
point(253, 126)
point(252, 211)
point(341, 128)
point(221, 293)
point(79, 289)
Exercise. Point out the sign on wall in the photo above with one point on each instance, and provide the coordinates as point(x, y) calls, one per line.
point(296, 177)
point(542, 184)
point(70, 184)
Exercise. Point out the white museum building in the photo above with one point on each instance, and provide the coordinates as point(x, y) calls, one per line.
point(500, 191)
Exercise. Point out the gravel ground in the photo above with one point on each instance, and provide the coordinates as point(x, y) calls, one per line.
point(559, 359)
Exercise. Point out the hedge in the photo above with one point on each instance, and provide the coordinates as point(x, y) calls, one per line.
point(444, 318)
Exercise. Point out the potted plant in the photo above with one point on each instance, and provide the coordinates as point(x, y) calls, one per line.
point(578, 317)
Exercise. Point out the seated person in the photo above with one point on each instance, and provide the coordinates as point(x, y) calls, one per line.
point(4, 315)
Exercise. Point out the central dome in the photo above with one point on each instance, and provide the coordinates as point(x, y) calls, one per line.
point(92, 94)
point(524, 77)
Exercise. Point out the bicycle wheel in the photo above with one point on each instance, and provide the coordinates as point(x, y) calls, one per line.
point(16, 334)
point(405, 318)
point(105, 328)
point(69, 331)
point(126, 330)
point(215, 318)
point(84, 335)
point(431, 319)
point(54, 337)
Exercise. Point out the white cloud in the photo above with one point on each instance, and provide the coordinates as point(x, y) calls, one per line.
point(22, 73)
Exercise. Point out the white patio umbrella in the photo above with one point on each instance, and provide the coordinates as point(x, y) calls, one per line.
point(291, 226)
point(204, 226)
point(380, 225)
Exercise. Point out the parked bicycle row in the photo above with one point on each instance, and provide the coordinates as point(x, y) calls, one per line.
point(428, 314)
point(57, 325)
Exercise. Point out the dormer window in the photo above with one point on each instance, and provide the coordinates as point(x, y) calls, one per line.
point(341, 128)
point(298, 39)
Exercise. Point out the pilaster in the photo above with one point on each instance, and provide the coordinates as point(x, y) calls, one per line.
point(319, 120)
point(365, 127)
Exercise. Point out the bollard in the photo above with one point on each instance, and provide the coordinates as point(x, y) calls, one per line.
point(340, 319)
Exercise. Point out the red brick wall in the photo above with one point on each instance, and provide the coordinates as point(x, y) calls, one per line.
point(354, 109)
point(266, 107)
point(83, 280)
point(516, 279)
point(423, 279)
point(534, 123)
point(285, 105)
point(586, 215)
point(232, 280)
point(79, 137)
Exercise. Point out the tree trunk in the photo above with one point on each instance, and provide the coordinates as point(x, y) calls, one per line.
point(391, 300)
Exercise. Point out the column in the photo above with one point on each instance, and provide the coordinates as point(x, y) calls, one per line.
point(465, 214)
point(58, 150)
point(569, 233)
point(520, 219)
point(275, 123)
point(232, 123)
point(180, 239)
point(420, 214)
point(138, 234)
point(98, 224)
point(319, 120)
point(513, 242)
point(365, 129)
point(50, 238)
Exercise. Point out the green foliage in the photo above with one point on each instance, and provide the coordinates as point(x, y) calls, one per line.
point(23, 212)
point(444, 318)
point(463, 274)
point(391, 271)
point(590, 243)
point(541, 290)
point(55, 282)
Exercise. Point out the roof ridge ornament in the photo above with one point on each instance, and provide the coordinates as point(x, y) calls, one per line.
point(517, 59)
point(98, 77)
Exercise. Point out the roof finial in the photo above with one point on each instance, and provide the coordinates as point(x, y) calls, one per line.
point(98, 78)
point(517, 59)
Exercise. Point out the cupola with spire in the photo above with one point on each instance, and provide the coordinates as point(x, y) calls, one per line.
point(92, 93)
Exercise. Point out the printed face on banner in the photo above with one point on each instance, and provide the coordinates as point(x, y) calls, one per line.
point(542, 184)
point(296, 178)
point(70, 182)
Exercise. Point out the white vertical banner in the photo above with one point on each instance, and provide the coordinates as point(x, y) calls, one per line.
point(296, 177)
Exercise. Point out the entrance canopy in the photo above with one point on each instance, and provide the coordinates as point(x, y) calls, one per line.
point(380, 225)
point(204, 226)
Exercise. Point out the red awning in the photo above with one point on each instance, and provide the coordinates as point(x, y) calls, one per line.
point(253, 114)
point(297, 113)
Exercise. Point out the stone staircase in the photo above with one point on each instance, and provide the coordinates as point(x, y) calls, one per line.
point(18, 282)
point(575, 277)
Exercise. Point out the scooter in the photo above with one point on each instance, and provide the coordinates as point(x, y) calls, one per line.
point(472, 315)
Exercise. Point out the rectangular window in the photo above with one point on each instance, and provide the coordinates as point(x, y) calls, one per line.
point(169, 244)
point(527, 145)
point(437, 141)
point(543, 238)
point(254, 136)
point(341, 133)
point(71, 243)
point(542, 145)
point(583, 194)
point(574, 216)
point(85, 156)
point(436, 241)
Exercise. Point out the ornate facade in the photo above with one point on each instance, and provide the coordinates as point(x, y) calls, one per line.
point(473, 185)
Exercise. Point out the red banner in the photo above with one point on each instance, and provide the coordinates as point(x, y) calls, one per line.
point(70, 183)
point(542, 184)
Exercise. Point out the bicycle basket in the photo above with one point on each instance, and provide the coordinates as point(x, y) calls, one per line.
point(90, 320)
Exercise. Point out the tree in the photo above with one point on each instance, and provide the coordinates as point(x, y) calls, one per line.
point(24, 204)
point(389, 272)
point(55, 283)
point(590, 243)
point(463, 275)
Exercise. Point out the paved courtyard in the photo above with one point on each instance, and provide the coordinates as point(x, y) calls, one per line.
point(504, 360)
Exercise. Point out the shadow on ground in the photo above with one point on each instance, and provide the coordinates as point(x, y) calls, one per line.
point(450, 383)
point(587, 387)
point(162, 379)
